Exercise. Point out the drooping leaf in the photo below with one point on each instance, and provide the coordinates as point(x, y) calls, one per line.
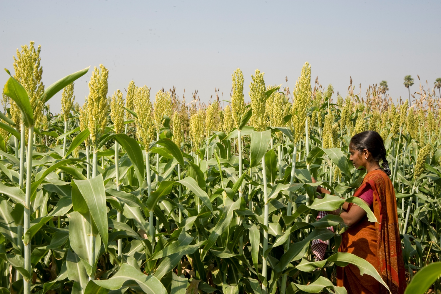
point(424, 278)
point(134, 152)
point(60, 84)
point(80, 138)
point(163, 189)
point(17, 92)
point(339, 159)
point(259, 146)
point(173, 149)
point(10, 130)
point(191, 184)
point(94, 195)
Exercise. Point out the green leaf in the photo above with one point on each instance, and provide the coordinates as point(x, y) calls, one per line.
point(223, 223)
point(134, 152)
point(76, 270)
point(328, 203)
point(370, 215)
point(173, 149)
point(17, 261)
point(269, 92)
point(179, 284)
point(245, 118)
point(77, 141)
point(339, 159)
point(16, 92)
point(10, 129)
point(255, 243)
point(259, 146)
point(35, 226)
point(40, 177)
point(6, 119)
point(62, 136)
point(94, 195)
point(60, 84)
point(309, 266)
point(363, 265)
point(163, 189)
point(15, 194)
point(287, 132)
point(271, 165)
point(424, 278)
point(79, 232)
point(317, 286)
point(314, 155)
point(275, 191)
point(130, 276)
point(191, 184)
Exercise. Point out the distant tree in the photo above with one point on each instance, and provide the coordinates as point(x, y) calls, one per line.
point(438, 85)
point(383, 87)
point(408, 82)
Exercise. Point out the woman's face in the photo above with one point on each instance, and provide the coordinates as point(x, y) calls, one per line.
point(357, 157)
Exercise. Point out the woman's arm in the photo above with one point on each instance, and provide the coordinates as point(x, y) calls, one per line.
point(351, 217)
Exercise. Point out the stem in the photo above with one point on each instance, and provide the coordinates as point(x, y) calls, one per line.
point(88, 161)
point(157, 160)
point(27, 212)
point(279, 154)
point(289, 213)
point(22, 154)
point(118, 188)
point(149, 191)
point(64, 146)
point(180, 193)
point(265, 232)
point(239, 145)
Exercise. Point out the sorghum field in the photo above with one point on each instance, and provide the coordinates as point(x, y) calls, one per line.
point(139, 192)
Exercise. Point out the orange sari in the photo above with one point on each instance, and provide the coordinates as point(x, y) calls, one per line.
point(379, 243)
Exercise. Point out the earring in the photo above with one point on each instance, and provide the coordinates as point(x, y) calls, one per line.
point(366, 157)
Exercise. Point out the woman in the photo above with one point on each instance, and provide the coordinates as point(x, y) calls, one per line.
point(379, 243)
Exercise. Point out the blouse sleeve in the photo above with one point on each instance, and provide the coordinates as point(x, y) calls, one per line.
point(367, 195)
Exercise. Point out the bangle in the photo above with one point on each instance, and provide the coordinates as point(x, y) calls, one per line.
point(319, 188)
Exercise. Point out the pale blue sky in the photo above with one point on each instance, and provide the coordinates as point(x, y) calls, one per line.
point(198, 44)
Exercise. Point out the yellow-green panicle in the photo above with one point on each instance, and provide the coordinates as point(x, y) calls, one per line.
point(257, 95)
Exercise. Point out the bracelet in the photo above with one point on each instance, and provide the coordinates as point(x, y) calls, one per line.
point(319, 188)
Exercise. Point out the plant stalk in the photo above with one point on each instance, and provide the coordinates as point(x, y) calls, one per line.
point(27, 210)
point(118, 188)
point(149, 192)
point(265, 232)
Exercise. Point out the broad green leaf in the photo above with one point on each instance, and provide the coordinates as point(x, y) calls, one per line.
point(126, 198)
point(60, 84)
point(163, 189)
point(184, 239)
point(327, 203)
point(7, 225)
point(259, 146)
point(79, 232)
point(295, 249)
point(40, 177)
point(134, 212)
point(276, 190)
point(370, 215)
point(255, 244)
point(173, 149)
point(363, 265)
point(179, 284)
point(10, 130)
point(94, 195)
point(328, 221)
point(287, 132)
point(424, 278)
point(127, 275)
point(76, 270)
point(14, 193)
point(17, 261)
point(80, 138)
point(339, 159)
point(191, 184)
point(223, 222)
point(271, 165)
point(315, 154)
point(134, 152)
point(35, 226)
point(17, 92)
point(317, 286)
point(309, 266)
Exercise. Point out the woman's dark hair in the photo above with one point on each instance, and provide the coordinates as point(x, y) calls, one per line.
point(373, 142)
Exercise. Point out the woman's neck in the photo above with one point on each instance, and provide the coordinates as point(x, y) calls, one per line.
point(370, 166)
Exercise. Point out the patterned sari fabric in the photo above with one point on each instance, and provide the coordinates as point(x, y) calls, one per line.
point(379, 243)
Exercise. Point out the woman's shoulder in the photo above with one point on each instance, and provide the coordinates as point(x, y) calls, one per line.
point(379, 177)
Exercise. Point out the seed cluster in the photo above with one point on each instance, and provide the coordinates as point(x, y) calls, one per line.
point(67, 100)
point(97, 106)
point(117, 111)
point(257, 95)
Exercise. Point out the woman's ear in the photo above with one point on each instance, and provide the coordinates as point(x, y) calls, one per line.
point(366, 153)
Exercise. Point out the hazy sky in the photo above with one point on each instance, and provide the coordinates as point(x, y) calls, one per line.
point(198, 44)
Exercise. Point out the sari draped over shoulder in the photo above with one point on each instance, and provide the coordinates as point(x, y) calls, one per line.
point(379, 243)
